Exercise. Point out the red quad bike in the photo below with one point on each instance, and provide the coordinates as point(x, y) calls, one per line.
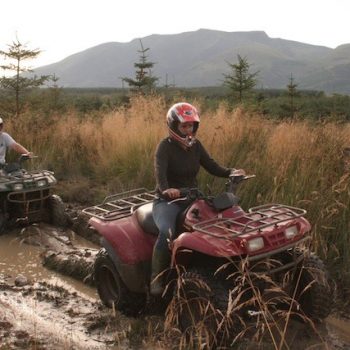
point(211, 232)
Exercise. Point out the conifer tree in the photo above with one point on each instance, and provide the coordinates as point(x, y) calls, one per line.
point(16, 85)
point(240, 81)
point(144, 82)
point(292, 93)
point(168, 85)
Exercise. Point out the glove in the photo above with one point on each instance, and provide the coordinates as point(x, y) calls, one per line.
point(237, 172)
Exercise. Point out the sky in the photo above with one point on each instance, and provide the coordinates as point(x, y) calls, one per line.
point(63, 27)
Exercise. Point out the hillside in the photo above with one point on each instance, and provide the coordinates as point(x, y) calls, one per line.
point(200, 58)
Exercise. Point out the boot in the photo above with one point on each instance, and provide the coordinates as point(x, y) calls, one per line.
point(160, 262)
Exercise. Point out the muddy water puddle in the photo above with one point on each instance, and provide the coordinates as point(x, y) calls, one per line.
point(18, 258)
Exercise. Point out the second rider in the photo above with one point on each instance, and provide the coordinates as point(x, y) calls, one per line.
point(178, 159)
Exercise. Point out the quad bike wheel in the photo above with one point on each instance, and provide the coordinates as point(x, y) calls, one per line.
point(201, 302)
point(2, 222)
point(112, 290)
point(57, 213)
point(314, 292)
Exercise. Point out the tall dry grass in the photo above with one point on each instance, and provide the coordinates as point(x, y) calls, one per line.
point(257, 313)
point(297, 163)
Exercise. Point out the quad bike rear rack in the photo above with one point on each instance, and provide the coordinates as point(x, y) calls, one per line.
point(120, 205)
point(258, 219)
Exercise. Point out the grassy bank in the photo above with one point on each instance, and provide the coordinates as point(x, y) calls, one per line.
point(296, 163)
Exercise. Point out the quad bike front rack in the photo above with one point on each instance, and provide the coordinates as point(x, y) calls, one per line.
point(258, 219)
point(29, 205)
point(120, 205)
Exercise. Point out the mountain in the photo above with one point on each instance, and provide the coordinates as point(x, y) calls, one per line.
point(200, 58)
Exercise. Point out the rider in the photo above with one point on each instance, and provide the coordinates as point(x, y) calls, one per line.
point(6, 141)
point(177, 161)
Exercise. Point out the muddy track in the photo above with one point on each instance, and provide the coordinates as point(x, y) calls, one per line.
point(46, 315)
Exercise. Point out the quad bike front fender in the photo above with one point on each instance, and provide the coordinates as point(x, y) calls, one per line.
point(205, 244)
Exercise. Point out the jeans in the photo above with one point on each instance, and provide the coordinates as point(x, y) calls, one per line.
point(164, 215)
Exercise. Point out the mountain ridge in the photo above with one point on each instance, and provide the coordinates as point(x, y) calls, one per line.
point(200, 58)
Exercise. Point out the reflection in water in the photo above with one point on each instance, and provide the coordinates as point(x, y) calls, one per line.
point(16, 258)
point(20, 258)
point(341, 327)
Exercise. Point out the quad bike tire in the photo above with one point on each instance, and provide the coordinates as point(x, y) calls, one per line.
point(314, 291)
point(57, 213)
point(2, 222)
point(196, 290)
point(112, 290)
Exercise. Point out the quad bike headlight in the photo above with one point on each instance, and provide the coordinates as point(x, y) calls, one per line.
point(255, 244)
point(17, 187)
point(291, 232)
point(41, 183)
point(51, 180)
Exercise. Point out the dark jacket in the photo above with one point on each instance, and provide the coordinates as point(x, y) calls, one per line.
point(176, 167)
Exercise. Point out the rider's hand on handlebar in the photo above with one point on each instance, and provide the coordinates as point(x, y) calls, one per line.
point(171, 193)
point(237, 172)
point(27, 155)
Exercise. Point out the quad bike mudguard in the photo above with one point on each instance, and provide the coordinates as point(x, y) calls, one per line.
point(227, 234)
point(135, 276)
point(126, 238)
point(129, 248)
point(204, 244)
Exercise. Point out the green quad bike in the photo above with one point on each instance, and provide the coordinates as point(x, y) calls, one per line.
point(26, 197)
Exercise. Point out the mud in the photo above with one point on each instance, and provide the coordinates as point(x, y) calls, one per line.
point(42, 308)
point(75, 263)
point(48, 316)
point(61, 250)
point(49, 309)
point(81, 227)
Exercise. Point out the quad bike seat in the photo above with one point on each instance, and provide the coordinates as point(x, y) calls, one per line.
point(145, 218)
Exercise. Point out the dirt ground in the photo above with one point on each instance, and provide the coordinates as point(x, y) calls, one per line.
point(53, 315)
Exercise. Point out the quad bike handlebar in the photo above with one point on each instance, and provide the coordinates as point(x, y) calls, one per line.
point(235, 180)
point(26, 156)
point(239, 178)
point(192, 194)
point(13, 167)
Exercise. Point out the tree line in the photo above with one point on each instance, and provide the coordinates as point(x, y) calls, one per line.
point(20, 90)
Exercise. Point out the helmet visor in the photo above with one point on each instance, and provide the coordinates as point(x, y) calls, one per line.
point(186, 128)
